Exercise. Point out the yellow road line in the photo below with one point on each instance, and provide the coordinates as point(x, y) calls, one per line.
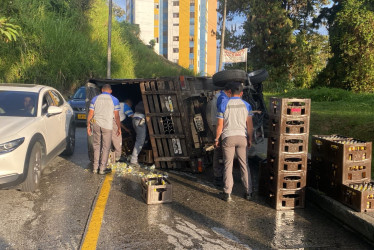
point(92, 235)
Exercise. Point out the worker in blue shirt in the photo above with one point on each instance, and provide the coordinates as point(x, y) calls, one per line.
point(235, 127)
point(103, 112)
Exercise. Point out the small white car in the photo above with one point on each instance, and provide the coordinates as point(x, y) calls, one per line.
point(36, 125)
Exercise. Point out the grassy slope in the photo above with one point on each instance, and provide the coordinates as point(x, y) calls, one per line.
point(336, 111)
point(64, 50)
point(130, 57)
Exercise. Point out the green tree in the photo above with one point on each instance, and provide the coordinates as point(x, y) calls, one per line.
point(311, 52)
point(268, 35)
point(152, 43)
point(8, 31)
point(118, 11)
point(351, 31)
point(280, 37)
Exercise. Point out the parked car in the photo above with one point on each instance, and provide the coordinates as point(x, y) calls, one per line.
point(78, 103)
point(179, 112)
point(37, 124)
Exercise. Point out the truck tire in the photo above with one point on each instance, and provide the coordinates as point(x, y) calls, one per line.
point(258, 76)
point(220, 78)
point(34, 171)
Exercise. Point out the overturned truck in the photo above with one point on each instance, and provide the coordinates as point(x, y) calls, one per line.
point(180, 114)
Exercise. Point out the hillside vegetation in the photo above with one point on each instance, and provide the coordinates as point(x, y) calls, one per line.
point(62, 43)
point(337, 111)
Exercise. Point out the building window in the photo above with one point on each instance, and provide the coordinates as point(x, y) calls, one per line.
point(192, 2)
point(156, 5)
point(175, 60)
point(191, 62)
point(175, 50)
point(192, 14)
point(191, 50)
point(175, 15)
point(192, 38)
point(156, 17)
point(175, 38)
point(176, 3)
point(156, 39)
point(175, 24)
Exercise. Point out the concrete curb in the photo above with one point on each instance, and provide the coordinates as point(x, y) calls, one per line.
point(359, 222)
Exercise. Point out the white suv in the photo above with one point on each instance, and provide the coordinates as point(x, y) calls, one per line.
point(36, 125)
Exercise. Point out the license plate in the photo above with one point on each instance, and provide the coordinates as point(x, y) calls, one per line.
point(81, 116)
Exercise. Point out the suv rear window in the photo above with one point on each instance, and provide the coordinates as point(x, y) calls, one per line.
point(80, 94)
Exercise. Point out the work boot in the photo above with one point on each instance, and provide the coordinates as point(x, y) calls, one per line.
point(102, 172)
point(248, 196)
point(122, 159)
point(226, 197)
point(94, 171)
point(134, 164)
point(108, 170)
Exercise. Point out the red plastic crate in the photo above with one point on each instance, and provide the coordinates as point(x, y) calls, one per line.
point(288, 162)
point(284, 125)
point(338, 160)
point(350, 172)
point(289, 107)
point(361, 201)
point(287, 200)
point(339, 148)
point(288, 144)
point(286, 181)
point(156, 190)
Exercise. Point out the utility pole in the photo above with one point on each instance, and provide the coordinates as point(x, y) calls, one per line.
point(108, 73)
point(222, 37)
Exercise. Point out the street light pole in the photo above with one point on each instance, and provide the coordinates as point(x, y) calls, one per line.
point(108, 73)
point(222, 37)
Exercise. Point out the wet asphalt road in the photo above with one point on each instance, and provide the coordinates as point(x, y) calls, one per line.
point(56, 216)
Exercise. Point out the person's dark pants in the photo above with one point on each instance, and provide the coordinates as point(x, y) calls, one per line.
point(218, 163)
point(230, 146)
point(102, 140)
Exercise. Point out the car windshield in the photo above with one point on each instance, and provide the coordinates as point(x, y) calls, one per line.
point(80, 94)
point(18, 103)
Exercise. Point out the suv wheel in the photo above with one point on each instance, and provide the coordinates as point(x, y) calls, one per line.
point(34, 171)
point(70, 140)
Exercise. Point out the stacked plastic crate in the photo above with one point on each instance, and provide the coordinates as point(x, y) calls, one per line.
point(283, 178)
point(341, 167)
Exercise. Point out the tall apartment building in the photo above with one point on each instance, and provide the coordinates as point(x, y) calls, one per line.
point(184, 30)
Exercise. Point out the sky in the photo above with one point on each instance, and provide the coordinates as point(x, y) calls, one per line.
point(121, 3)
